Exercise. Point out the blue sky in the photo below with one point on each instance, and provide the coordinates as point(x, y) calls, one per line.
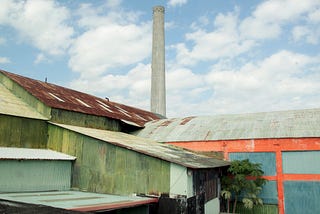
point(222, 57)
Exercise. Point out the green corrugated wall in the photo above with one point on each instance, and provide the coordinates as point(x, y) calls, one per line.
point(22, 132)
point(84, 120)
point(105, 168)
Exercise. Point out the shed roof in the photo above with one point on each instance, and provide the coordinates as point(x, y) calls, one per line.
point(149, 147)
point(64, 98)
point(11, 153)
point(76, 200)
point(9, 103)
point(280, 124)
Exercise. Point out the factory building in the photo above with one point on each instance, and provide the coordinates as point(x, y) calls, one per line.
point(286, 143)
point(119, 164)
point(93, 133)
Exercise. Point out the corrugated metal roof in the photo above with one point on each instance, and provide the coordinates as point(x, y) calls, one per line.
point(9, 103)
point(11, 153)
point(281, 124)
point(76, 200)
point(149, 147)
point(63, 98)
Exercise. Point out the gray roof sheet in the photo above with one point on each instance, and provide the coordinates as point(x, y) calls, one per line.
point(11, 153)
point(149, 147)
point(281, 124)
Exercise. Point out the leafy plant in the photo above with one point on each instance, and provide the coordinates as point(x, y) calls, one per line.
point(243, 180)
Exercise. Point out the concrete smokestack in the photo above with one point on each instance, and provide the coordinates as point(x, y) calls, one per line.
point(158, 85)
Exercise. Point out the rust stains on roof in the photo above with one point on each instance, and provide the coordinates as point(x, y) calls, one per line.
point(186, 120)
point(64, 98)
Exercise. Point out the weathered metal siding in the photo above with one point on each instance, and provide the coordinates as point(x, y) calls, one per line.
point(106, 168)
point(34, 175)
point(25, 95)
point(84, 120)
point(269, 193)
point(265, 209)
point(303, 162)
point(22, 132)
point(302, 197)
point(266, 159)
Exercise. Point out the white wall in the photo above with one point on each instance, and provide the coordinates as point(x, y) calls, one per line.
point(212, 206)
point(180, 181)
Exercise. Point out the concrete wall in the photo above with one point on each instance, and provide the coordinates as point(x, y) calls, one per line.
point(34, 175)
point(105, 168)
point(22, 132)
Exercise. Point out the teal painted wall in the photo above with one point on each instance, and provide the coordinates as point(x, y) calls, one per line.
point(34, 175)
point(267, 160)
point(302, 197)
point(302, 162)
point(22, 132)
point(105, 168)
point(265, 209)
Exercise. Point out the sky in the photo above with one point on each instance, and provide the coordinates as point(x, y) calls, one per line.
point(222, 57)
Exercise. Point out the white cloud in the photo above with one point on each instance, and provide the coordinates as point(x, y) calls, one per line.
point(174, 3)
point(310, 31)
point(43, 23)
point(223, 41)
point(132, 88)
point(2, 41)
point(283, 80)
point(105, 47)
point(41, 58)
point(110, 40)
point(267, 21)
point(4, 60)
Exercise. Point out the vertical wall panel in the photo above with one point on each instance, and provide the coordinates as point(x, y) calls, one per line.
point(303, 162)
point(20, 132)
point(302, 197)
point(269, 193)
point(266, 159)
point(106, 168)
point(34, 175)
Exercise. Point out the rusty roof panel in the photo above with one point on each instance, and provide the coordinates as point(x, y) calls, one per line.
point(281, 124)
point(149, 147)
point(64, 98)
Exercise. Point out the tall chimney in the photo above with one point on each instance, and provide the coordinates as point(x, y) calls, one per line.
point(158, 85)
